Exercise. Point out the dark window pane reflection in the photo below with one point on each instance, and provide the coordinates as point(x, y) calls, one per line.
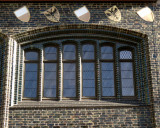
point(50, 53)
point(127, 79)
point(88, 79)
point(69, 52)
point(50, 79)
point(31, 56)
point(88, 51)
point(106, 52)
point(69, 80)
point(107, 79)
point(30, 83)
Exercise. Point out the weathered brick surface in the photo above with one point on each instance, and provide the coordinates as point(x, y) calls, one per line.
point(136, 117)
point(79, 117)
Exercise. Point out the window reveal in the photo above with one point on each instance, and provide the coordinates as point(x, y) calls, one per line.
point(88, 71)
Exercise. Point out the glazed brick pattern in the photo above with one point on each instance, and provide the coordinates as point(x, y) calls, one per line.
point(124, 117)
point(81, 117)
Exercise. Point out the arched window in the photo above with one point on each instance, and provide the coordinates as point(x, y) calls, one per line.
point(31, 74)
point(88, 70)
point(107, 70)
point(50, 72)
point(69, 70)
point(127, 73)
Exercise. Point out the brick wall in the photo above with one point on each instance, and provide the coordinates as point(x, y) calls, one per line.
point(81, 117)
point(135, 116)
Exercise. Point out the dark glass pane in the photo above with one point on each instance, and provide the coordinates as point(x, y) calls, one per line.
point(88, 51)
point(126, 66)
point(106, 52)
point(30, 83)
point(107, 66)
point(108, 83)
point(127, 91)
point(107, 75)
point(69, 52)
point(108, 92)
point(107, 79)
point(50, 93)
point(50, 83)
point(50, 75)
point(50, 79)
point(30, 93)
point(69, 80)
point(125, 55)
point(50, 53)
point(88, 83)
point(88, 92)
point(69, 83)
point(127, 83)
point(88, 79)
point(50, 67)
point(31, 55)
point(69, 92)
point(126, 74)
point(127, 79)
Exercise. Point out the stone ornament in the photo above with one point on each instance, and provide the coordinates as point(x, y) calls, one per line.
point(113, 13)
point(23, 14)
point(83, 14)
point(52, 14)
point(146, 14)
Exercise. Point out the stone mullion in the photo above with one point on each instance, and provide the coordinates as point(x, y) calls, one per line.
point(40, 81)
point(117, 75)
point(98, 88)
point(60, 72)
point(79, 83)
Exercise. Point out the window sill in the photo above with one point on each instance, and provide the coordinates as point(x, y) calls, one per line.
point(78, 104)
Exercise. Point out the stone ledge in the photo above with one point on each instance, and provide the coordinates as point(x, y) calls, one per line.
point(77, 104)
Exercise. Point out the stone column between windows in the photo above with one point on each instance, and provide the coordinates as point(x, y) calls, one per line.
point(40, 84)
point(6, 83)
point(60, 72)
point(98, 94)
point(79, 76)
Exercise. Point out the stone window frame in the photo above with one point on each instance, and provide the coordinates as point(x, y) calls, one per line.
point(87, 31)
point(97, 47)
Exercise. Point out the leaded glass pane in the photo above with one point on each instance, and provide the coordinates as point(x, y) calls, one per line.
point(50, 53)
point(88, 51)
point(69, 52)
point(106, 52)
point(125, 55)
point(88, 79)
point(107, 79)
point(127, 79)
point(50, 79)
point(31, 55)
point(30, 83)
point(69, 80)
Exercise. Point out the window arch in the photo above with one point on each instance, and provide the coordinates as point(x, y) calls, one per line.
point(31, 73)
point(105, 68)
